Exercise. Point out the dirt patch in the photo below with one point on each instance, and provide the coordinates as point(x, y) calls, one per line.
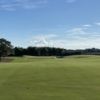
point(6, 60)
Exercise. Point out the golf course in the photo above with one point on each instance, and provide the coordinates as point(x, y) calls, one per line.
point(50, 78)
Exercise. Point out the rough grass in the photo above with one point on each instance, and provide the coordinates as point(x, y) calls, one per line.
point(33, 78)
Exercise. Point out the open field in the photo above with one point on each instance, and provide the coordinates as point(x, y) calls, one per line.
point(50, 78)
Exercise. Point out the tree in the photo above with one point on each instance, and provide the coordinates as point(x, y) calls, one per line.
point(18, 51)
point(5, 47)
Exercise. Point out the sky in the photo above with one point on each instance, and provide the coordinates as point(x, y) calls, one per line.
point(69, 24)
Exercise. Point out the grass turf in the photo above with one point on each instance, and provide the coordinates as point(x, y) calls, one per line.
point(50, 78)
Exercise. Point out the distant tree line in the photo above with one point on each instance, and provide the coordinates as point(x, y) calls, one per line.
point(6, 49)
point(39, 51)
point(51, 51)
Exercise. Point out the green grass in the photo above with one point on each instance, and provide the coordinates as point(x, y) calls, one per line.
point(50, 78)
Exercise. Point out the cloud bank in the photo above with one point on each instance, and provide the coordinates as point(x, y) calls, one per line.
point(75, 38)
point(12, 5)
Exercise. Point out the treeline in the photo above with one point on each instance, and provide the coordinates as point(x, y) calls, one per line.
point(6, 49)
point(38, 51)
point(51, 51)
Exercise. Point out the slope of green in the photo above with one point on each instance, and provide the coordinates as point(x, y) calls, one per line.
point(50, 78)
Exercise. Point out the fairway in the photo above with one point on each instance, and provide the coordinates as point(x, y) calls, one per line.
point(50, 78)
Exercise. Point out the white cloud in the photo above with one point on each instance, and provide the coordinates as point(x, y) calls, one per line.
point(22, 4)
point(76, 38)
point(40, 42)
point(70, 1)
point(73, 41)
point(43, 40)
point(69, 44)
point(67, 41)
point(87, 25)
point(97, 24)
point(77, 31)
point(77, 43)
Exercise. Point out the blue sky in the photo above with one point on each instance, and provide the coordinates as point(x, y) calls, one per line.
point(70, 24)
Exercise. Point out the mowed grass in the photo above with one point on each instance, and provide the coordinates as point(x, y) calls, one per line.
point(50, 78)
